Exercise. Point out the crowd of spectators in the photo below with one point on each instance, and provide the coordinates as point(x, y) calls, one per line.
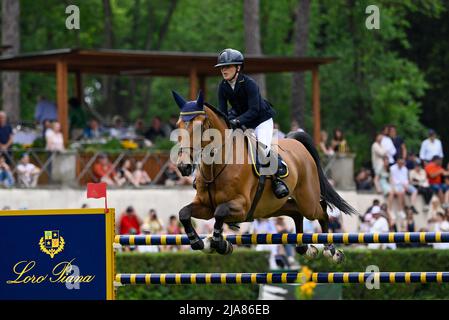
point(398, 174)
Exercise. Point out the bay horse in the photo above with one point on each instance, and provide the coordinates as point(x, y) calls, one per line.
point(225, 191)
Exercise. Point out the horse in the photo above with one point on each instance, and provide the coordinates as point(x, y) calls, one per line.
point(225, 191)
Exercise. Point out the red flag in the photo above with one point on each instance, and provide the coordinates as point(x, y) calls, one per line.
point(96, 190)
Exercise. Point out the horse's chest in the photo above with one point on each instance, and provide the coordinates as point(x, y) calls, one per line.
point(214, 196)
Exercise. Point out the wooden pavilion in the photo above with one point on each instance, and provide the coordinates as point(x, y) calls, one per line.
point(196, 66)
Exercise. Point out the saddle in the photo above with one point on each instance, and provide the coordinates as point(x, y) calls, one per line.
point(260, 163)
point(256, 152)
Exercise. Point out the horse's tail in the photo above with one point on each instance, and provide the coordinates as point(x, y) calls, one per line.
point(328, 192)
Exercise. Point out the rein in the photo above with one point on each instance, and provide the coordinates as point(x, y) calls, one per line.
point(213, 176)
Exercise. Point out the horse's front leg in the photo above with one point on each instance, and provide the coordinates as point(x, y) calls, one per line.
point(231, 211)
point(185, 216)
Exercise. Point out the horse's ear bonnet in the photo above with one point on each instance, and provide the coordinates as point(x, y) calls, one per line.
point(190, 109)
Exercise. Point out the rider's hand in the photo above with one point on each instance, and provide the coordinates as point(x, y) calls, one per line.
point(235, 123)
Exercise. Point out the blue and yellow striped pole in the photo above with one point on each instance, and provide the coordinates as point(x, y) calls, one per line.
point(286, 277)
point(294, 238)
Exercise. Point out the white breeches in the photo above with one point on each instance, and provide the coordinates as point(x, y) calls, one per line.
point(264, 133)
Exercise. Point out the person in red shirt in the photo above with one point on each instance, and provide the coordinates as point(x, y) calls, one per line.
point(435, 173)
point(130, 222)
point(104, 171)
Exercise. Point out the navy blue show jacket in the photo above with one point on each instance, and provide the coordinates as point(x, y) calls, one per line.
point(246, 102)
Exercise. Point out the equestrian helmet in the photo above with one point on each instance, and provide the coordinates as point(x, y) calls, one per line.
point(230, 57)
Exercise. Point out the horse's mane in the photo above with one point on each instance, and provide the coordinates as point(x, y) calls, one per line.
point(218, 113)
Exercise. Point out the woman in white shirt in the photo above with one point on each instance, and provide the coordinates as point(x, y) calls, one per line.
point(54, 138)
point(377, 153)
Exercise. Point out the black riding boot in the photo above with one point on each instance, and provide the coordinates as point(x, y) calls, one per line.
point(280, 188)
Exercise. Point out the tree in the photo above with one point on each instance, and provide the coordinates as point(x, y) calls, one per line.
point(11, 37)
point(252, 36)
point(301, 38)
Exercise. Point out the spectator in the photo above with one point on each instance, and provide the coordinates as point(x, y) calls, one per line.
point(431, 147)
point(171, 124)
point(324, 147)
point(401, 186)
point(277, 133)
point(435, 208)
point(93, 130)
point(418, 178)
point(6, 176)
point(377, 154)
point(155, 130)
point(399, 144)
point(139, 128)
point(153, 223)
point(364, 180)
point(6, 136)
point(295, 127)
point(104, 171)
point(380, 225)
point(140, 175)
point(435, 174)
point(266, 226)
point(54, 139)
point(125, 175)
point(389, 216)
point(412, 161)
point(77, 118)
point(281, 227)
point(129, 222)
point(118, 130)
point(47, 125)
point(382, 182)
point(28, 173)
point(339, 143)
point(441, 224)
point(45, 110)
point(174, 177)
point(376, 202)
point(145, 248)
point(173, 226)
point(410, 220)
point(388, 144)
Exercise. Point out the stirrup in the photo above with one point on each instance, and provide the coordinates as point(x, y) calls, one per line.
point(280, 188)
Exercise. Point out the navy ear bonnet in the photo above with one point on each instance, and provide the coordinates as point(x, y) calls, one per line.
point(189, 109)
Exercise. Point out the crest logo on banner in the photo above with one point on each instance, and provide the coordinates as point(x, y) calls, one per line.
point(51, 243)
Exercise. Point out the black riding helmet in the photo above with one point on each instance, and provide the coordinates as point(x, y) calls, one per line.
point(230, 57)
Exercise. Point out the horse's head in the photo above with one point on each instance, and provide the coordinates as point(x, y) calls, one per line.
point(192, 115)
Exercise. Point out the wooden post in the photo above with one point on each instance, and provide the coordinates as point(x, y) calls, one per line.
point(316, 106)
point(193, 84)
point(203, 87)
point(62, 98)
point(79, 86)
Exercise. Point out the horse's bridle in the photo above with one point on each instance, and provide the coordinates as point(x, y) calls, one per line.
point(193, 149)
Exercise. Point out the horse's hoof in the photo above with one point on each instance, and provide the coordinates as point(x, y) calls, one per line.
point(327, 253)
point(198, 245)
point(338, 257)
point(207, 245)
point(312, 252)
point(222, 247)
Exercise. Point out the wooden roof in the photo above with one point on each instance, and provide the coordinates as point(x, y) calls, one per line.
point(157, 63)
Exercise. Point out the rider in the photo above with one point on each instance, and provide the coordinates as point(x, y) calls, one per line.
point(248, 109)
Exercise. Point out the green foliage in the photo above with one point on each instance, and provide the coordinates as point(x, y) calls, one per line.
point(191, 262)
point(163, 144)
point(376, 79)
point(390, 260)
